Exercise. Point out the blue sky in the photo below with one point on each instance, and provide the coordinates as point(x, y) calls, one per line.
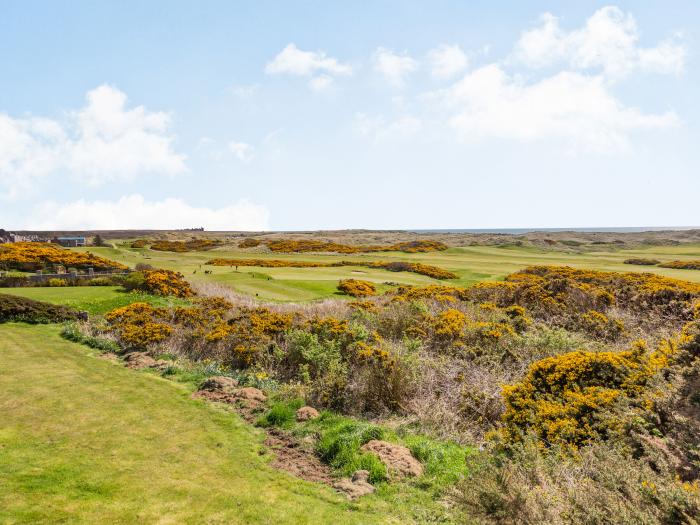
point(322, 115)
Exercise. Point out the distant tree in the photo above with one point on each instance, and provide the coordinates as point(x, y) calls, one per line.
point(99, 241)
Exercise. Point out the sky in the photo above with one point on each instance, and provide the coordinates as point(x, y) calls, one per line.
point(261, 115)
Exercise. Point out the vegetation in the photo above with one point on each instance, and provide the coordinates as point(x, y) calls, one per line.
point(193, 245)
point(356, 288)
point(94, 443)
point(21, 309)
point(32, 256)
point(158, 282)
point(640, 261)
point(396, 266)
point(682, 265)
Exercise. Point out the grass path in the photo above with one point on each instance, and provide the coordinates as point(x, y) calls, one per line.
point(83, 440)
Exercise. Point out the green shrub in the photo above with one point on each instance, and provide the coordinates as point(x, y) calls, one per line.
point(21, 309)
point(56, 282)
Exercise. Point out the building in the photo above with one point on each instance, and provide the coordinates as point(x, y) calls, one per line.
point(70, 242)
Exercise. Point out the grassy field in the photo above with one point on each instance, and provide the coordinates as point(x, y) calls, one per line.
point(83, 440)
point(92, 299)
point(471, 264)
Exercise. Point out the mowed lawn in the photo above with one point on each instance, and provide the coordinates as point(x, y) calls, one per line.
point(84, 440)
point(471, 264)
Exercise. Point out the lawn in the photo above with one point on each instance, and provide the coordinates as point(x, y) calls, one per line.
point(92, 299)
point(83, 440)
point(471, 264)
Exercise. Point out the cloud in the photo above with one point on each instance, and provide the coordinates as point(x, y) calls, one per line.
point(380, 129)
point(134, 212)
point(394, 67)
point(242, 151)
point(579, 109)
point(321, 82)
point(608, 41)
point(446, 61)
point(101, 142)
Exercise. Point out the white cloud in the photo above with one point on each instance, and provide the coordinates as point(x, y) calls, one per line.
point(242, 150)
point(395, 67)
point(380, 129)
point(101, 142)
point(321, 82)
point(608, 40)
point(446, 61)
point(579, 109)
point(293, 61)
point(134, 212)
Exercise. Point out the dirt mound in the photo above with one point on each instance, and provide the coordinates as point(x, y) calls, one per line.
point(355, 487)
point(139, 360)
point(219, 384)
point(250, 393)
point(397, 458)
point(307, 413)
point(295, 459)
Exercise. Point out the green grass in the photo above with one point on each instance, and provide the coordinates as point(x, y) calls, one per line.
point(92, 299)
point(84, 440)
point(471, 264)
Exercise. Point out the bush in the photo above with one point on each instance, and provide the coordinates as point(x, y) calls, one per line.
point(21, 309)
point(529, 485)
point(682, 265)
point(564, 399)
point(249, 242)
point(356, 288)
point(158, 282)
point(643, 262)
point(56, 283)
point(32, 256)
point(73, 333)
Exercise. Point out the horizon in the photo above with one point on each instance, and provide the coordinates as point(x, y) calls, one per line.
point(265, 116)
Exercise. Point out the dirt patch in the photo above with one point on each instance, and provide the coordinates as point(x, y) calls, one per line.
point(306, 413)
point(397, 458)
point(219, 384)
point(356, 486)
point(138, 360)
point(109, 356)
point(291, 457)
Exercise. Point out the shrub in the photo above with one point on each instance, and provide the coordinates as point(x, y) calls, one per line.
point(32, 256)
point(159, 282)
point(185, 246)
point(138, 325)
point(139, 243)
point(682, 265)
point(642, 261)
point(21, 309)
point(563, 399)
point(249, 242)
point(55, 282)
point(356, 288)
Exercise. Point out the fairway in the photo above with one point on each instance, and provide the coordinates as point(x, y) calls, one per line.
point(92, 299)
point(470, 263)
point(83, 440)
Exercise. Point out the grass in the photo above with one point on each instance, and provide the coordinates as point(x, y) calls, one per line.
point(471, 264)
point(92, 299)
point(83, 440)
point(339, 439)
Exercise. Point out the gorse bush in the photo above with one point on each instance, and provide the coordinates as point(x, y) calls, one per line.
point(302, 246)
point(682, 265)
point(356, 287)
point(194, 245)
point(159, 282)
point(642, 261)
point(32, 256)
point(397, 266)
point(249, 242)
